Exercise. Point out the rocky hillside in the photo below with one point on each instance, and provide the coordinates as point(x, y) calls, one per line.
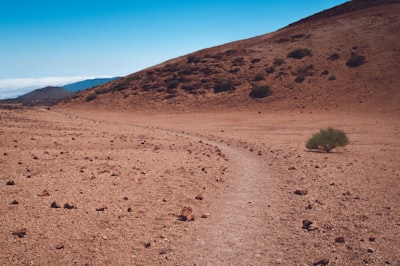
point(346, 57)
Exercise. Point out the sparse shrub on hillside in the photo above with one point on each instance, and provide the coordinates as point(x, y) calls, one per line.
point(239, 61)
point(270, 70)
point(234, 70)
point(325, 72)
point(258, 77)
point(299, 53)
point(334, 56)
point(172, 84)
point(355, 60)
point(300, 78)
point(278, 61)
point(260, 91)
point(101, 90)
point(192, 59)
point(90, 97)
point(172, 67)
point(327, 140)
point(332, 77)
point(222, 85)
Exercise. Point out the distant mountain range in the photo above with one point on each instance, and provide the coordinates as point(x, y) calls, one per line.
point(87, 84)
point(50, 95)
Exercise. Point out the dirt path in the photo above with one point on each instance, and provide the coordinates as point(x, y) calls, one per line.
point(239, 217)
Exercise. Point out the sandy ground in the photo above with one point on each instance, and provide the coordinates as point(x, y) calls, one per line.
point(127, 176)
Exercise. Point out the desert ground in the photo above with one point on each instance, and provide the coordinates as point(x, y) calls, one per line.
point(83, 187)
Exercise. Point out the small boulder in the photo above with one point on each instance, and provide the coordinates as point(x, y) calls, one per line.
point(20, 233)
point(187, 214)
point(301, 192)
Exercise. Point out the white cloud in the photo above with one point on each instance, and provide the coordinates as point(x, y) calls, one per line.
point(11, 88)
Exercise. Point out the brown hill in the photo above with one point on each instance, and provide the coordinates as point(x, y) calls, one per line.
point(305, 64)
point(39, 97)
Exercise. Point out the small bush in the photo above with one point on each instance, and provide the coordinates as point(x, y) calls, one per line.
point(101, 90)
point(260, 91)
point(91, 97)
point(270, 70)
point(299, 53)
point(355, 60)
point(300, 78)
point(332, 77)
point(325, 72)
point(258, 77)
point(172, 84)
point(172, 67)
point(222, 85)
point(327, 140)
point(193, 59)
point(334, 56)
point(278, 61)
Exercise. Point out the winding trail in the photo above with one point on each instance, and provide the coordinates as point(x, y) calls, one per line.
point(240, 227)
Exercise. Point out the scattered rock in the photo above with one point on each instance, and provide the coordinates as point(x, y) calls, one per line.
point(340, 239)
point(20, 233)
point(10, 183)
point(199, 197)
point(205, 215)
point(129, 209)
point(371, 239)
point(301, 192)
point(101, 209)
point(61, 246)
point(370, 251)
point(186, 214)
point(54, 205)
point(35, 157)
point(125, 198)
point(321, 262)
point(69, 205)
point(147, 245)
point(292, 168)
point(44, 193)
point(15, 202)
point(308, 225)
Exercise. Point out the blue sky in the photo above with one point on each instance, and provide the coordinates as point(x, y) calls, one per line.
point(68, 40)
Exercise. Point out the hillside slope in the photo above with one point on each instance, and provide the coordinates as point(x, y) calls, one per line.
point(44, 96)
point(222, 77)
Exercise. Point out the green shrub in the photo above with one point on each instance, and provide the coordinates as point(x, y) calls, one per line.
point(299, 53)
point(101, 90)
point(260, 91)
point(355, 60)
point(300, 78)
point(258, 77)
point(172, 67)
point(172, 84)
point(334, 56)
point(278, 61)
point(327, 139)
point(332, 77)
point(193, 59)
point(222, 85)
point(91, 97)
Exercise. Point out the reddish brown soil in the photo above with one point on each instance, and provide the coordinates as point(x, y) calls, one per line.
point(129, 174)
